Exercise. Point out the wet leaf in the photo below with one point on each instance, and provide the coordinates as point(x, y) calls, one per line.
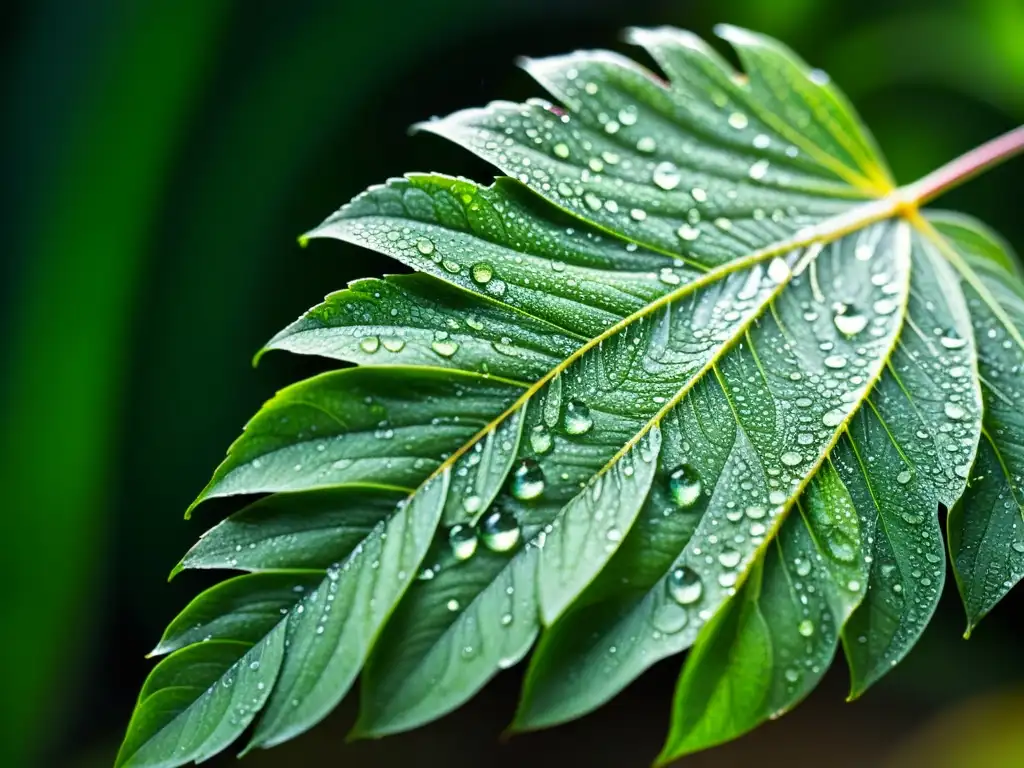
point(693, 374)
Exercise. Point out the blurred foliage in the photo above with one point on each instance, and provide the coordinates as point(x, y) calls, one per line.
point(160, 158)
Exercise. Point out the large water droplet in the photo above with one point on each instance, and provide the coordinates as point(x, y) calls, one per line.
point(951, 341)
point(729, 558)
point(684, 485)
point(805, 628)
point(462, 540)
point(527, 480)
point(577, 418)
point(445, 348)
point(482, 272)
point(688, 233)
point(540, 439)
point(424, 246)
point(833, 418)
point(666, 175)
point(738, 120)
point(791, 458)
point(684, 586)
point(850, 322)
point(499, 531)
point(835, 362)
point(369, 344)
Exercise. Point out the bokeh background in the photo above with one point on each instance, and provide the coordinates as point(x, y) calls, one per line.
point(160, 158)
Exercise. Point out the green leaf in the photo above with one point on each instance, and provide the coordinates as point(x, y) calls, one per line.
point(986, 528)
point(200, 699)
point(693, 374)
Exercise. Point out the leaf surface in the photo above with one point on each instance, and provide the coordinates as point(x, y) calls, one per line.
point(693, 374)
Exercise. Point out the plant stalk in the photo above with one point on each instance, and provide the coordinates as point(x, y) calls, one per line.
point(967, 166)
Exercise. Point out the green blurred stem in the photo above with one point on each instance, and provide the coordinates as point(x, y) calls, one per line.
point(967, 166)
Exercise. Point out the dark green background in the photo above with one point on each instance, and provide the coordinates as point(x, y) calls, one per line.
point(159, 159)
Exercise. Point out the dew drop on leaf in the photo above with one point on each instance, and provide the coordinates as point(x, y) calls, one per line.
point(499, 531)
point(850, 322)
point(666, 175)
point(527, 480)
point(684, 586)
point(684, 486)
point(481, 273)
point(445, 348)
point(738, 120)
point(729, 558)
point(577, 418)
point(369, 344)
point(462, 539)
point(540, 439)
point(688, 233)
point(952, 341)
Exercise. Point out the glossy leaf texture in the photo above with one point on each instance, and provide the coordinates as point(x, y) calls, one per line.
point(693, 374)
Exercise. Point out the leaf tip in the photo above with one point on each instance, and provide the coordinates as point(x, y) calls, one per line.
point(736, 35)
point(303, 239)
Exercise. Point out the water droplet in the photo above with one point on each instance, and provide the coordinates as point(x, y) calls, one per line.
point(482, 273)
point(758, 169)
point(369, 344)
point(462, 540)
point(952, 341)
point(638, 214)
point(684, 586)
point(791, 458)
point(646, 144)
point(729, 558)
point(688, 233)
point(954, 411)
point(394, 345)
point(453, 605)
point(627, 115)
point(833, 418)
point(445, 348)
point(499, 531)
point(684, 486)
point(540, 439)
point(527, 480)
point(666, 175)
point(561, 150)
point(806, 628)
point(850, 322)
point(671, 618)
point(904, 477)
point(472, 504)
point(835, 361)
point(577, 418)
point(778, 270)
point(424, 246)
point(738, 120)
